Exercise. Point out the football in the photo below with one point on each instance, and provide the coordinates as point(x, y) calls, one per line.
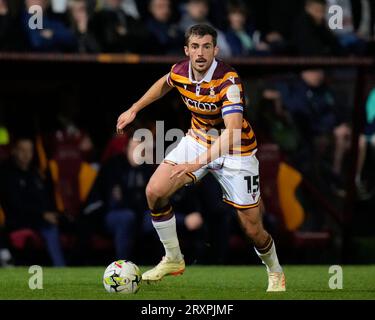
point(122, 276)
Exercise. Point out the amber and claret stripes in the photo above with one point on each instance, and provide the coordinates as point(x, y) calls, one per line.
point(162, 214)
point(267, 246)
point(246, 206)
point(209, 101)
point(192, 176)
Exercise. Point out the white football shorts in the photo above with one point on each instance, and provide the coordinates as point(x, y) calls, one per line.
point(238, 175)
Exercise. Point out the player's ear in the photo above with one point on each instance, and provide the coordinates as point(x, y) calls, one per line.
point(216, 51)
point(186, 50)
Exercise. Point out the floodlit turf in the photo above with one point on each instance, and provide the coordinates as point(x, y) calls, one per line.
point(198, 282)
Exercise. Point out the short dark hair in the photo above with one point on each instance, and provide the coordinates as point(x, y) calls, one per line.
point(201, 30)
point(237, 8)
point(321, 2)
point(199, 1)
point(16, 139)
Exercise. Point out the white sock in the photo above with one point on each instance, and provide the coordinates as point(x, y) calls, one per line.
point(270, 259)
point(168, 236)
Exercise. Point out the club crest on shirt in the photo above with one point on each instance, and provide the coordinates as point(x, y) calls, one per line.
point(212, 92)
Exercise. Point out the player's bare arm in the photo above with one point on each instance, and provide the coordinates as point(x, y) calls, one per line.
point(157, 90)
point(231, 136)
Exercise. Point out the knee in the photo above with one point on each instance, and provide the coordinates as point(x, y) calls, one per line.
point(154, 192)
point(253, 231)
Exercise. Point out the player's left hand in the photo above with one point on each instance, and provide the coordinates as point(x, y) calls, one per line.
point(180, 169)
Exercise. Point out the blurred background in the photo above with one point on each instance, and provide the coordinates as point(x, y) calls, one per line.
point(71, 192)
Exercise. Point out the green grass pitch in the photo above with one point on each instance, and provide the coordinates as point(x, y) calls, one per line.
point(198, 282)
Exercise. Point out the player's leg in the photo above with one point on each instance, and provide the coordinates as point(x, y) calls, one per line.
point(251, 222)
point(158, 192)
point(160, 187)
point(239, 179)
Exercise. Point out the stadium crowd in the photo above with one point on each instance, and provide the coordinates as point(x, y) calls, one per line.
point(62, 196)
point(246, 28)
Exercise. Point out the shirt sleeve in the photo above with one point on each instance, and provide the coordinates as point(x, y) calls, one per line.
point(231, 95)
point(170, 78)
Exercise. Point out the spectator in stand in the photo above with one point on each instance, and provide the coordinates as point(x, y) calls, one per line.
point(54, 37)
point(311, 35)
point(86, 42)
point(195, 12)
point(116, 31)
point(315, 112)
point(26, 199)
point(277, 123)
point(118, 196)
point(242, 37)
point(168, 38)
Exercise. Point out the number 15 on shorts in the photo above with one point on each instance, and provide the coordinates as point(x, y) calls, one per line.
point(252, 183)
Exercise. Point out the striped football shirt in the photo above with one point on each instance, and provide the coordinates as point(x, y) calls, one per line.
point(218, 94)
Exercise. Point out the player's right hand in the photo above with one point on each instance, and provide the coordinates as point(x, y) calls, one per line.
point(124, 119)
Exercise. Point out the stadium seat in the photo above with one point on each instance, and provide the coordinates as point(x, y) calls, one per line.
point(73, 180)
point(21, 239)
point(65, 175)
